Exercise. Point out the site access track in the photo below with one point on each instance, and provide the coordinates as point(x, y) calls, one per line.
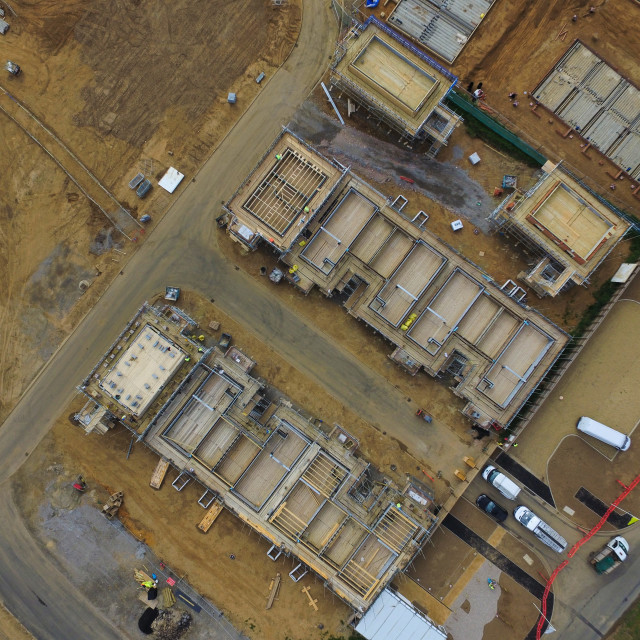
point(185, 241)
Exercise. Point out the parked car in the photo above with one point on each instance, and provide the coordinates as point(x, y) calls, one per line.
point(540, 528)
point(485, 503)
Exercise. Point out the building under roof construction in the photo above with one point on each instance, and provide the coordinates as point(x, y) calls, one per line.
point(299, 484)
point(442, 312)
point(398, 84)
point(568, 226)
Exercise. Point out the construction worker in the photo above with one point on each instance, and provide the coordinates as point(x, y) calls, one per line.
point(148, 584)
point(278, 156)
point(306, 209)
point(187, 359)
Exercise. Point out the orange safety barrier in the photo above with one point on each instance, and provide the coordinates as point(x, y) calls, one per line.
point(575, 548)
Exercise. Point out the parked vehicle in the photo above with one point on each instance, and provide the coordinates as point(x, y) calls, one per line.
point(540, 529)
point(508, 488)
point(12, 68)
point(613, 554)
point(485, 503)
point(603, 433)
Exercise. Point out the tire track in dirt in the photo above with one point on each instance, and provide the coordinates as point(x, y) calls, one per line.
point(81, 176)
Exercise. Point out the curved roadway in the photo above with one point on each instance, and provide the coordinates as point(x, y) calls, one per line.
point(181, 249)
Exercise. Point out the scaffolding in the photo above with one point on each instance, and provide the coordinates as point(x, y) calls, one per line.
point(435, 129)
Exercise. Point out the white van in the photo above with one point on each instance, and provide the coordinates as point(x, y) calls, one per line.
point(506, 487)
point(604, 434)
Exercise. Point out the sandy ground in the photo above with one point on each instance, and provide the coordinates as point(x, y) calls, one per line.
point(10, 628)
point(121, 105)
point(514, 48)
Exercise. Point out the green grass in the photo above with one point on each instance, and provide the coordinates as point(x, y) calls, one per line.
point(629, 626)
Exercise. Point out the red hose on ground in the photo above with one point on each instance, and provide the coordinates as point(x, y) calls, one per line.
point(575, 548)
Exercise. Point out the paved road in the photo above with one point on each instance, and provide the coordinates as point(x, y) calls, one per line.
point(586, 605)
point(181, 250)
point(35, 591)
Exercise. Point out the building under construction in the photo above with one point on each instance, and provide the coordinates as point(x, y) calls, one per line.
point(141, 367)
point(598, 102)
point(399, 85)
point(442, 27)
point(300, 485)
point(566, 225)
point(442, 312)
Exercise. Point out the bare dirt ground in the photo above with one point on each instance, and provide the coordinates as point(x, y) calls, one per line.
point(514, 48)
point(127, 88)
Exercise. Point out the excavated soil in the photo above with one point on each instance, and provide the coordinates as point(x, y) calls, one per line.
point(127, 87)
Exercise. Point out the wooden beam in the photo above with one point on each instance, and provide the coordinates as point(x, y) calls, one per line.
point(274, 588)
point(312, 601)
point(210, 516)
point(159, 473)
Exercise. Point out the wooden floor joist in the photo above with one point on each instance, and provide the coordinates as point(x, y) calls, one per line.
point(210, 517)
point(312, 601)
point(159, 473)
point(274, 587)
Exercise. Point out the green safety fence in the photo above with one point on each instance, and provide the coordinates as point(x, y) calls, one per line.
point(489, 122)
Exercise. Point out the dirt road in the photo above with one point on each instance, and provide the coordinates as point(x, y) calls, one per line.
point(184, 240)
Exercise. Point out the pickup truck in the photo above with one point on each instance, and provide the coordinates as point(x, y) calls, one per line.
point(540, 529)
point(613, 554)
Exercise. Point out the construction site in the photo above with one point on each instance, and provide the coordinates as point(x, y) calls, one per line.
point(596, 101)
point(567, 224)
point(398, 84)
point(299, 484)
point(453, 353)
point(444, 29)
point(440, 311)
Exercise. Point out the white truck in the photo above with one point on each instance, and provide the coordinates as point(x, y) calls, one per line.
point(508, 488)
point(540, 529)
point(613, 554)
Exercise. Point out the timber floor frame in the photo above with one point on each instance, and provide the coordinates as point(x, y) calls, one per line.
point(440, 311)
point(298, 485)
point(573, 228)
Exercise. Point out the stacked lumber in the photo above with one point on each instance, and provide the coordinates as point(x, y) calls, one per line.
point(159, 473)
point(210, 516)
point(167, 599)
